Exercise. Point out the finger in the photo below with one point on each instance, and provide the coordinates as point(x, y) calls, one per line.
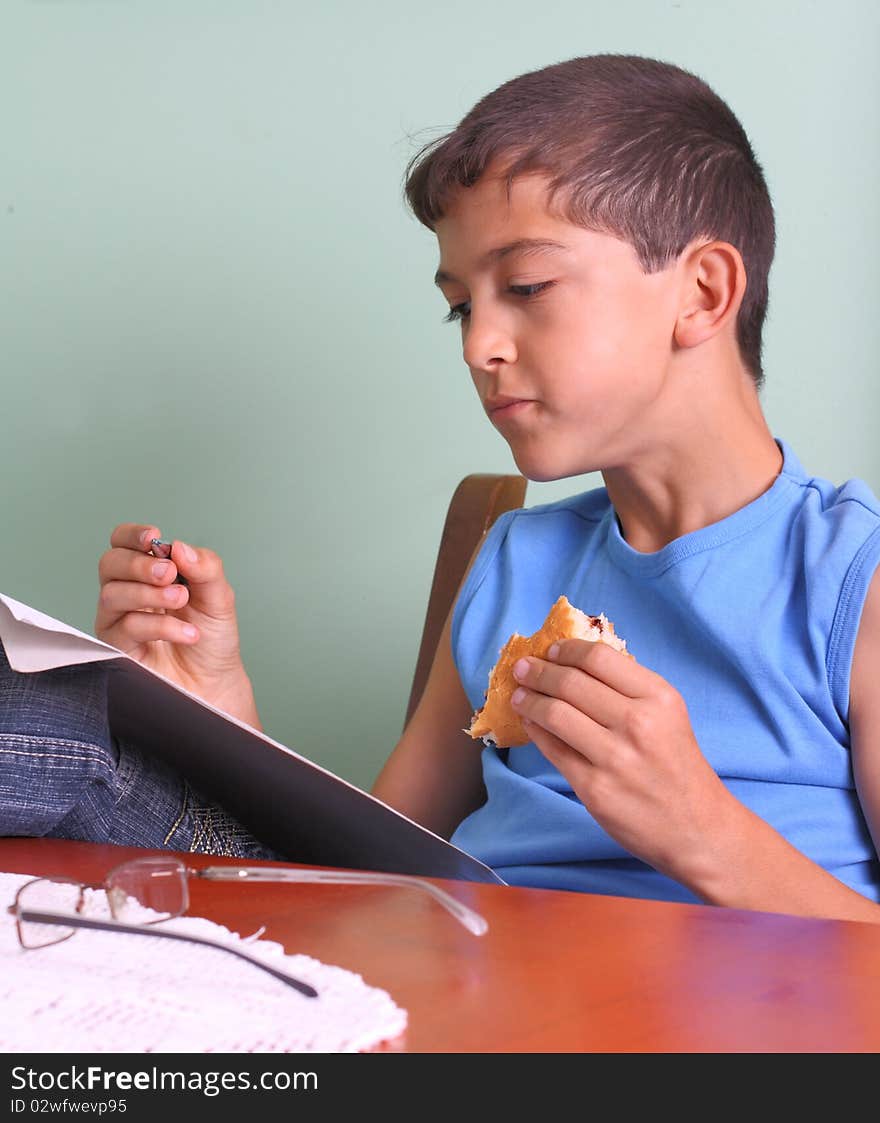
point(134, 536)
point(137, 628)
point(565, 722)
point(123, 564)
point(203, 569)
point(616, 669)
point(574, 765)
point(120, 597)
point(569, 683)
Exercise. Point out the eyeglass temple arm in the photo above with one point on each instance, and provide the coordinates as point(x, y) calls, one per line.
point(470, 919)
point(34, 916)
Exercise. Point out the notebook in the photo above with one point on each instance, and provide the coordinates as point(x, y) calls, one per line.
point(294, 805)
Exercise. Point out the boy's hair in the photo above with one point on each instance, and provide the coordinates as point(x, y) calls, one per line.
point(637, 148)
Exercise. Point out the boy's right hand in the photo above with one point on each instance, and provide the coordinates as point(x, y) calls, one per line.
point(188, 633)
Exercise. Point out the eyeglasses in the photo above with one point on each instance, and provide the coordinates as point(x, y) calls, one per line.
point(142, 893)
point(471, 920)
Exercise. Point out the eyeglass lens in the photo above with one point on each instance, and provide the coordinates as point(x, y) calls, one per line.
point(47, 895)
point(148, 890)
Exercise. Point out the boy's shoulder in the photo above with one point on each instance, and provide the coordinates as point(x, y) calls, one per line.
point(852, 504)
point(589, 506)
point(854, 497)
point(557, 526)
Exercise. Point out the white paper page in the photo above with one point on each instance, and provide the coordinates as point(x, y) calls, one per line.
point(37, 642)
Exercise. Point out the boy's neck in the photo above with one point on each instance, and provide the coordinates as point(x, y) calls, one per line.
point(715, 456)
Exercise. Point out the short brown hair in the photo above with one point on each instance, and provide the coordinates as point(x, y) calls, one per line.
point(639, 148)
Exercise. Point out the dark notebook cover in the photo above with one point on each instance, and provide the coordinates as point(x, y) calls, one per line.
point(300, 809)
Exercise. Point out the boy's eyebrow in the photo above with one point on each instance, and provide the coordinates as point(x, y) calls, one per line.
point(521, 245)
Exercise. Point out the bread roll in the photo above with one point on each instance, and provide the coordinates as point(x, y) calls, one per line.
point(497, 723)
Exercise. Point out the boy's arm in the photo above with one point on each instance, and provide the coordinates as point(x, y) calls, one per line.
point(786, 880)
point(864, 717)
point(622, 737)
point(434, 775)
point(796, 884)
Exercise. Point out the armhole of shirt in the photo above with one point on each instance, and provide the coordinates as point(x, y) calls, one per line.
point(491, 544)
point(846, 621)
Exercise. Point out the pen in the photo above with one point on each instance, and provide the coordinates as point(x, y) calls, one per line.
point(161, 548)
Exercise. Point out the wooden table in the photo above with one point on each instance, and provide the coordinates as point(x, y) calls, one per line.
point(556, 972)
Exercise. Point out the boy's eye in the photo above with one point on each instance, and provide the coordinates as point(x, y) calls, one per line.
point(530, 290)
point(462, 310)
point(457, 312)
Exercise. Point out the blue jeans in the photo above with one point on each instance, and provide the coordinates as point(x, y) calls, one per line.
point(64, 775)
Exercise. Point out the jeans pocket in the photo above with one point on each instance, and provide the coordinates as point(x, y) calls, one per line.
point(215, 831)
point(157, 807)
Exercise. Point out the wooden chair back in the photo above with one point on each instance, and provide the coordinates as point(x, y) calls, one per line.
point(476, 503)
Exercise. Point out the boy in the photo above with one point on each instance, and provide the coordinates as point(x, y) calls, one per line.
point(605, 237)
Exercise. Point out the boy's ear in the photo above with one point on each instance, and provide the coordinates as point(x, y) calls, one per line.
point(714, 285)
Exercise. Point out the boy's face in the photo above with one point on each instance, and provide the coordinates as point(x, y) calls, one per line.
point(569, 343)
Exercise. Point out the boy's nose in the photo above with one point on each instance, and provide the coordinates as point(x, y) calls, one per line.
point(486, 342)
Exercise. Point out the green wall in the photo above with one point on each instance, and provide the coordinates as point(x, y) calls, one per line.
point(217, 314)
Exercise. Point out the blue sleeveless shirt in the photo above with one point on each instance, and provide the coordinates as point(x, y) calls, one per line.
point(753, 619)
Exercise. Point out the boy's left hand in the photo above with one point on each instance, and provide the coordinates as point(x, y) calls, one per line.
point(621, 736)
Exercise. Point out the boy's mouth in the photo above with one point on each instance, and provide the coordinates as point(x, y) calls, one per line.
point(503, 407)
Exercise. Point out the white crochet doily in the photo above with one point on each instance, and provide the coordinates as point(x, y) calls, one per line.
point(111, 992)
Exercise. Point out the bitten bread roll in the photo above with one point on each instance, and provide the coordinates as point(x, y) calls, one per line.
point(497, 723)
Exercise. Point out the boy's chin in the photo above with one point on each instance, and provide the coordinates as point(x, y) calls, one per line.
point(544, 469)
